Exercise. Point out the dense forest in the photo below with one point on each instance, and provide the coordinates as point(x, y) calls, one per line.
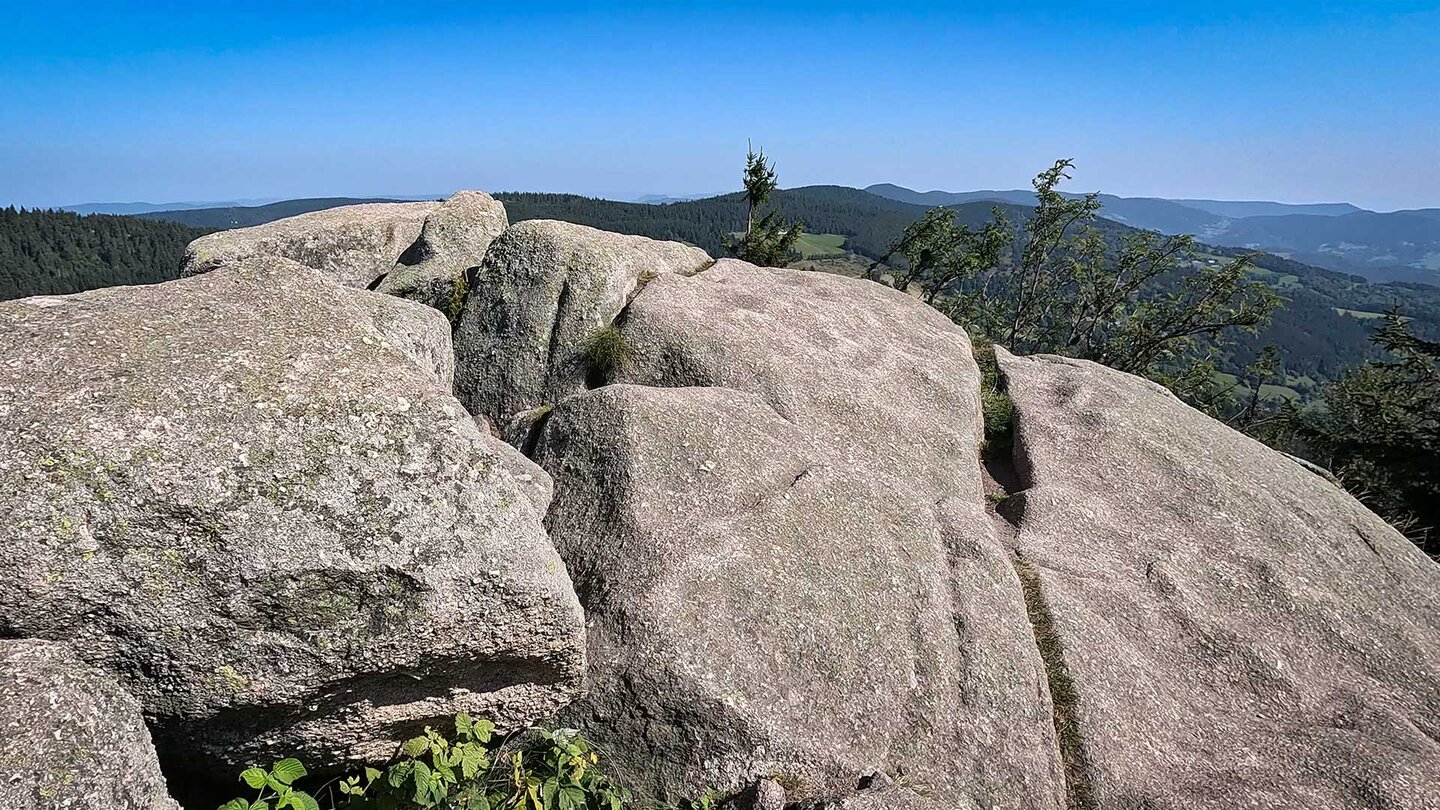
point(57, 252)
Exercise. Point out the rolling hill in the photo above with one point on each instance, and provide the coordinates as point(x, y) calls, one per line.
point(1395, 246)
point(1151, 213)
point(128, 208)
point(1384, 247)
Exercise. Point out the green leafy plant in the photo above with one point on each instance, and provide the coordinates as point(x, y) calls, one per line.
point(996, 405)
point(276, 789)
point(539, 769)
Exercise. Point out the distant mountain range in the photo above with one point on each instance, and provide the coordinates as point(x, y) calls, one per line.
point(130, 208)
point(661, 199)
point(1395, 246)
point(243, 216)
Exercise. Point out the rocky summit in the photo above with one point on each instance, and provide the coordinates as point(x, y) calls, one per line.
point(740, 532)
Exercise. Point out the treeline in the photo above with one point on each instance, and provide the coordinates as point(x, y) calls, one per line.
point(57, 252)
point(868, 223)
point(1314, 337)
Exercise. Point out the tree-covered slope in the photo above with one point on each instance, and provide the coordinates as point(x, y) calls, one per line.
point(57, 252)
point(243, 216)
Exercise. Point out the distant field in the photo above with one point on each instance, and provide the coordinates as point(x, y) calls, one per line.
point(1359, 313)
point(1268, 392)
point(820, 244)
point(850, 265)
point(1273, 278)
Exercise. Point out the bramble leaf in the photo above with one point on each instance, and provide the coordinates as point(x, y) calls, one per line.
point(415, 746)
point(287, 770)
point(254, 777)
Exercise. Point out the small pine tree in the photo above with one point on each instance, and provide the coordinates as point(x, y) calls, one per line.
point(768, 241)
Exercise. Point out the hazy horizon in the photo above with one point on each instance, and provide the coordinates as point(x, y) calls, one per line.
point(145, 102)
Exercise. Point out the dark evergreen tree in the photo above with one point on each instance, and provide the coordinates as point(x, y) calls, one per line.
point(768, 242)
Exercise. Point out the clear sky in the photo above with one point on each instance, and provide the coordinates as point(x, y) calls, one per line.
point(1305, 101)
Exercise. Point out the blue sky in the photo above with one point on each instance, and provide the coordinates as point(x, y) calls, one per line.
point(205, 101)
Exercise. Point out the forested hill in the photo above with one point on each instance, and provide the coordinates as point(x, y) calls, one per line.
point(868, 223)
point(57, 252)
point(243, 216)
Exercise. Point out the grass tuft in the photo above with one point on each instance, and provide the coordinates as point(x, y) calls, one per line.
point(1064, 699)
point(606, 353)
point(996, 406)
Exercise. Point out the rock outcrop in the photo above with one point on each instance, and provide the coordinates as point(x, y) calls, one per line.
point(251, 500)
point(282, 534)
point(1236, 630)
point(435, 270)
point(70, 737)
point(776, 528)
point(544, 292)
point(355, 244)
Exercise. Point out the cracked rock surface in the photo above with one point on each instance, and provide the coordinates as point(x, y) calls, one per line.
point(269, 522)
point(272, 510)
point(544, 290)
point(773, 518)
point(354, 244)
point(1239, 631)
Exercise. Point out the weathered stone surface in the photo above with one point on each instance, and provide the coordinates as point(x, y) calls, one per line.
point(355, 244)
point(70, 737)
point(873, 371)
point(1239, 631)
point(278, 531)
point(543, 290)
point(788, 569)
point(415, 329)
point(434, 270)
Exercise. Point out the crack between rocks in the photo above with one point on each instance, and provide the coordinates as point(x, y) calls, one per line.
point(562, 301)
point(1005, 487)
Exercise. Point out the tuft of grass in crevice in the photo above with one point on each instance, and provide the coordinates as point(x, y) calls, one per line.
point(459, 289)
point(606, 353)
point(1064, 699)
point(996, 406)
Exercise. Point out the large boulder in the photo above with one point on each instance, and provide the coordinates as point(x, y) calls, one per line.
point(355, 244)
point(70, 737)
point(1232, 630)
point(775, 523)
point(274, 527)
point(435, 270)
point(418, 330)
point(543, 293)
